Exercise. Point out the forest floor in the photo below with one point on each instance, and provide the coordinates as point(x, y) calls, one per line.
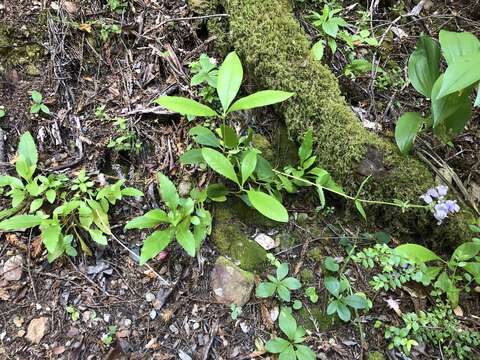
point(71, 53)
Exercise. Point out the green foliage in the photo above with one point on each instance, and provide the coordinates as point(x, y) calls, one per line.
point(3, 111)
point(342, 299)
point(38, 105)
point(108, 30)
point(186, 221)
point(279, 285)
point(126, 139)
point(66, 211)
point(412, 262)
point(312, 295)
point(292, 347)
point(108, 337)
point(440, 328)
point(235, 311)
point(117, 6)
point(449, 92)
point(73, 311)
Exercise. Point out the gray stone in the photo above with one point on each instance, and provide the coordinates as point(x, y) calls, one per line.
point(230, 284)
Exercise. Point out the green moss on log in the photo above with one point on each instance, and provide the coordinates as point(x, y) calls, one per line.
point(276, 51)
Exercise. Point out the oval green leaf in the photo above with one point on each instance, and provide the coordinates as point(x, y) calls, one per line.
point(462, 73)
point(416, 252)
point(220, 164)
point(424, 65)
point(406, 131)
point(184, 106)
point(259, 99)
point(230, 78)
point(268, 206)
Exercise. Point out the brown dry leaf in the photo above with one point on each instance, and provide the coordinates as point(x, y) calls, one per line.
point(458, 311)
point(13, 240)
point(394, 305)
point(85, 27)
point(70, 7)
point(36, 248)
point(4, 295)
point(58, 350)
point(267, 320)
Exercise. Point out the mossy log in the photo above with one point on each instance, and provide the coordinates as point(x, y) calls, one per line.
point(276, 53)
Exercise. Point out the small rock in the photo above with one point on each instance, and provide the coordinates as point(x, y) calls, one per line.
point(266, 241)
point(106, 317)
point(58, 350)
point(72, 332)
point(153, 314)
point(127, 322)
point(183, 355)
point(21, 333)
point(230, 284)
point(149, 297)
point(18, 321)
point(12, 269)
point(173, 329)
point(244, 326)
point(37, 329)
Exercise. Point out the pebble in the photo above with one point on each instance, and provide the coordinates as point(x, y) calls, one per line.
point(106, 317)
point(149, 297)
point(173, 329)
point(127, 322)
point(153, 314)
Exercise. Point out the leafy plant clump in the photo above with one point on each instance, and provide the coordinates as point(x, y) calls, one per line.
point(186, 221)
point(38, 105)
point(67, 211)
point(449, 92)
point(279, 285)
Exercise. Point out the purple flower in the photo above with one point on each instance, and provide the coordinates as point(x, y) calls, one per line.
point(427, 198)
point(441, 212)
point(442, 190)
point(433, 193)
point(452, 206)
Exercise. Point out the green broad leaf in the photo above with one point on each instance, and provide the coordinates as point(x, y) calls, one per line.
point(343, 312)
point(204, 136)
point(283, 293)
point(444, 282)
point(23, 169)
point(260, 99)
point(51, 195)
point(304, 353)
point(473, 268)
point(424, 65)
point(291, 283)
point(191, 157)
point(230, 76)
point(100, 217)
point(466, 251)
point(168, 191)
point(331, 264)
point(150, 219)
point(265, 289)
point(37, 97)
point(282, 271)
point(18, 196)
point(318, 49)
point(11, 181)
point(287, 323)
point(229, 136)
point(297, 305)
point(276, 345)
point(263, 170)
point(462, 73)
point(360, 209)
point(457, 44)
point(35, 108)
point(50, 234)
point(305, 150)
point(416, 253)
point(288, 354)
point(268, 206)
point(184, 106)
point(220, 164)
point(406, 130)
point(35, 205)
point(332, 285)
point(249, 163)
point(97, 236)
point(45, 109)
point(130, 191)
point(332, 307)
point(20, 222)
point(28, 150)
point(67, 208)
point(217, 192)
point(356, 301)
point(185, 238)
point(154, 244)
point(453, 109)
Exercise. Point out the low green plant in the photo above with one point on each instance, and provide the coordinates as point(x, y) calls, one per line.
point(413, 262)
point(279, 285)
point(312, 295)
point(73, 312)
point(292, 347)
point(204, 70)
point(3, 111)
point(235, 311)
point(449, 92)
point(438, 327)
point(108, 30)
point(186, 221)
point(108, 337)
point(38, 105)
point(64, 210)
point(342, 299)
point(117, 6)
point(127, 139)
